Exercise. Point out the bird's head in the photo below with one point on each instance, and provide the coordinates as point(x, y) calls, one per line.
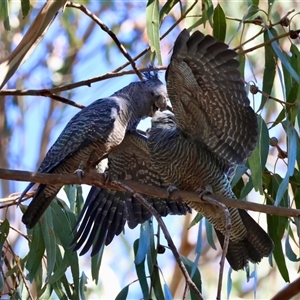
point(151, 95)
point(163, 120)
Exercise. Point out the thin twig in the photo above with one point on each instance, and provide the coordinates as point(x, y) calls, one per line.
point(87, 82)
point(96, 179)
point(268, 42)
point(161, 38)
point(109, 32)
point(226, 239)
point(162, 225)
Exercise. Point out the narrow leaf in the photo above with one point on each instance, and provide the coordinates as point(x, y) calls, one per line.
point(168, 295)
point(82, 284)
point(258, 159)
point(276, 228)
point(140, 270)
point(63, 225)
point(289, 251)
point(270, 69)
point(25, 5)
point(36, 251)
point(207, 12)
point(196, 220)
point(123, 294)
point(219, 29)
point(4, 14)
point(242, 62)
point(4, 230)
point(196, 277)
point(166, 9)
point(292, 151)
point(96, 264)
point(198, 248)
point(50, 241)
point(144, 242)
point(209, 234)
point(152, 23)
point(229, 282)
point(283, 59)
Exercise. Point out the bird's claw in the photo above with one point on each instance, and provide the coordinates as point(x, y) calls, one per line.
point(170, 190)
point(107, 177)
point(203, 193)
point(79, 172)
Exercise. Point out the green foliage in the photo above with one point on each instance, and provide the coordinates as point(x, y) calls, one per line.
point(272, 170)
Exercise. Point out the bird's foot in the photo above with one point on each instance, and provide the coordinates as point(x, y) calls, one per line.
point(204, 193)
point(170, 190)
point(79, 171)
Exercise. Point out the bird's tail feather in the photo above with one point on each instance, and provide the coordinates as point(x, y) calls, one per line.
point(257, 244)
point(39, 204)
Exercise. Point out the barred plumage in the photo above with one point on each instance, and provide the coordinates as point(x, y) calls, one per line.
point(207, 93)
point(106, 211)
point(92, 133)
point(213, 127)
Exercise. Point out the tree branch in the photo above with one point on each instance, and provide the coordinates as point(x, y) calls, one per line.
point(51, 91)
point(97, 179)
point(109, 32)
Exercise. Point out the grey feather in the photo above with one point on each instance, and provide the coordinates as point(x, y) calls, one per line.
point(92, 133)
point(106, 211)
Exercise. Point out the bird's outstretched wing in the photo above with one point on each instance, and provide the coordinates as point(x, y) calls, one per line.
point(209, 98)
point(106, 211)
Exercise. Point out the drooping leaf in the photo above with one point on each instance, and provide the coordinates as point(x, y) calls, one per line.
point(144, 242)
point(252, 9)
point(219, 29)
point(207, 12)
point(152, 266)
point(210, 234)
point(25, 5)
point(196, 277)
point(277, 226)
point(229, 282)
point(50, 241)
point(242, 62)
point(257, 160)
point(198, 248)
point(269, 71)
point(280, 118)
point(283, 58)
point(70, 191)
point(168, 295)
point(82, 283)
point(289, 251)
point(292, 154)
point(4, 230)
point(196, 220)
point(96, 264)
point(140, 270)
point(4, 14)
point(36, 251)
point(123, 293)
point(166, 9)
point(152, 23)
point(64, 221)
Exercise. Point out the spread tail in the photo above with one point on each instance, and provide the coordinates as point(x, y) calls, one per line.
point(257, 244)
